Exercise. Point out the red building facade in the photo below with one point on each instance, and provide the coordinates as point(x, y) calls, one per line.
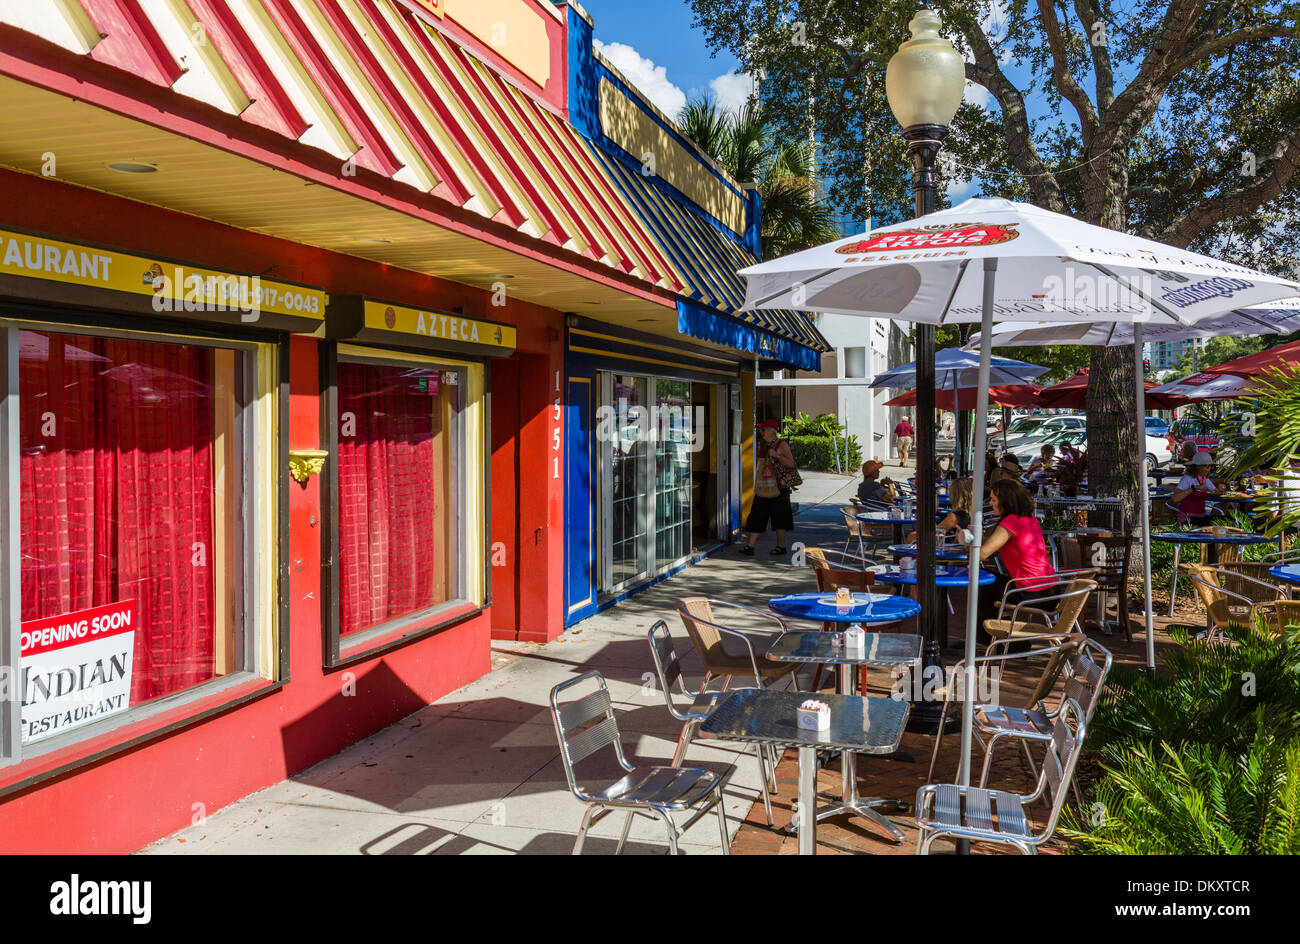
point(284, 294)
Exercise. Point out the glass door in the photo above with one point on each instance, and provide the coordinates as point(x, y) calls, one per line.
point(625, 480)
point(672, 492)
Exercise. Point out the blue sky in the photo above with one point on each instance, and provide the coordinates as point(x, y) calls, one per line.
point(655, 46)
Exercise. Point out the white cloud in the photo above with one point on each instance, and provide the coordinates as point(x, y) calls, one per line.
point(978, 95)
point(651, 80)
point(732, 90)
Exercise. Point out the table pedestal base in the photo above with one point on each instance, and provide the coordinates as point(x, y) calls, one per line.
point(848, 802)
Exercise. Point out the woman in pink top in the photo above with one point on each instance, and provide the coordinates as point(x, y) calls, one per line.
point(1019, 539)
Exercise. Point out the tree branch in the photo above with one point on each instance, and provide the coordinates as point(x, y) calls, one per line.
point(1139, 100)
point(1282, 160)
point(1019, 135)
point(1221, 43)
point(1065, 81)
point(1089, 16)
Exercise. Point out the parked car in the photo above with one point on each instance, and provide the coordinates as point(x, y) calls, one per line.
point(1157, 427)
point(1158, 453)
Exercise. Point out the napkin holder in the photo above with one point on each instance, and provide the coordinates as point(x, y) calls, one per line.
point(815, 717)
point(855, 640)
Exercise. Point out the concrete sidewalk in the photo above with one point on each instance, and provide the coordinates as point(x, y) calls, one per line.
point(479, 772)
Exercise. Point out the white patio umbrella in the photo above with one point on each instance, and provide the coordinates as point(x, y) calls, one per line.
point(1280, 317)
point(1036, 266)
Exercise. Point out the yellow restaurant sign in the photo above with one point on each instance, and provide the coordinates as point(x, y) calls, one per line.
point(174, 288)
point(439, 325)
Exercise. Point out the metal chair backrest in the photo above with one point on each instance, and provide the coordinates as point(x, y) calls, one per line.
point(1205, 581)
point(584, 726)
point(1056, 663)
point(856, 527)
point(697, 617)
point(668, 667)
point(1061, 758)
point(1071, 606)
point(1086, 678)
point(831, 571)
point(1249, 579)
point(1071, 553)
point(871, 530)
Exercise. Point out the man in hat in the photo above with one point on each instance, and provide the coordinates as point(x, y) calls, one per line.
point(903, 435)
point(872, 489)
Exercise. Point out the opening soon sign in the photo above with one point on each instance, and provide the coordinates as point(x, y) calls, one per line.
point(76, 668)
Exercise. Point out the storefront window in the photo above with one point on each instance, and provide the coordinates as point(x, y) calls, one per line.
point(628, 480)
point(131, 483)
point(398, 452)
point(672, 471)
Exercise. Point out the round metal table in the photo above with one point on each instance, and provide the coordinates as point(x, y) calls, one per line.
point(1209, 538)
point(869, 608)
point(909, 550)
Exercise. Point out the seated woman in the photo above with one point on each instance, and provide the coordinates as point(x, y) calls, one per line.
point(1192, 490)
point(871, 489)
point(1018, 539)
point(958, 519)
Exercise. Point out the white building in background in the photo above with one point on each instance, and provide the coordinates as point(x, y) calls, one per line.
point(863, 348)
point(1163, 355)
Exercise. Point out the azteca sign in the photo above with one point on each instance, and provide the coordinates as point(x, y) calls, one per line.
point(934, 237)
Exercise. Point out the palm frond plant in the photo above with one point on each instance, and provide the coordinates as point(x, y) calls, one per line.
point(795, 213)
point(1195, 799)
point(1264, 436)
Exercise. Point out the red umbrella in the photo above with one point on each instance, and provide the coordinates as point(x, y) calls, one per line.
point(1073, 393)
point(1007, 395)
point(1233, 379)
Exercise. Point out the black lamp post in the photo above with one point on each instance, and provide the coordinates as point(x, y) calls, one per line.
point(924, 83)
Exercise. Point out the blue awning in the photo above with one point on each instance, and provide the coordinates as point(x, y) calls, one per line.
point(699, 322)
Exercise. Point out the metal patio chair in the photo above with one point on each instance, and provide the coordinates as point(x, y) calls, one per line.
point(1110, 557)
point(1054, 648)
point(707, 635)
point(866, 533)
point(586, 725)
point(1085, 678)
point(668, 669)
point(976, 814)
point(1070, 591)
point(1223, 606)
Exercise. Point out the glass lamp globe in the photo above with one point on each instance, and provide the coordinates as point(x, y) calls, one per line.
point(926, 78)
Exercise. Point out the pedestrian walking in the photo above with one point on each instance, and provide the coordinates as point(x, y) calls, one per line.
point(771, 503)
point(903, 438)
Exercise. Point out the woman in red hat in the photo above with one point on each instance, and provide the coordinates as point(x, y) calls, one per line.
point(771, 501)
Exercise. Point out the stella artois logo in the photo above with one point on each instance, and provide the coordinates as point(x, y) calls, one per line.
point(947, 236)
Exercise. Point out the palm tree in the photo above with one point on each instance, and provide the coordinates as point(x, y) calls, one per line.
point(795, 212)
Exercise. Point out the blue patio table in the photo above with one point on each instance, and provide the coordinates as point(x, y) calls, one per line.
point(870, 608)
point(1208, 538)
point(945, 578)
point(1288, 572)
point(943, 554)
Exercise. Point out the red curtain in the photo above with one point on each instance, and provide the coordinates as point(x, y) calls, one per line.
point(387, 493)
point(116, 478)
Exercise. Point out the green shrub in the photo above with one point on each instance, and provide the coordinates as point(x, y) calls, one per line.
point(1195, 799)
point(823, 424)
point(818, 453)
